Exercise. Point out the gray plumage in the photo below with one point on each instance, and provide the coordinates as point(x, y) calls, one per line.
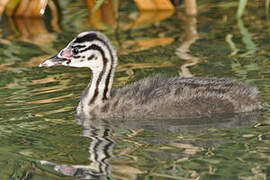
point(162, 97)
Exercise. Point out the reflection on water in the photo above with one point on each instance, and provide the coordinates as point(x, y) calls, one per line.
point(246, 39)
point(25, 8)
point(148, 17)
point(37, 121)
point(191, 36)
point(101, 134)
point(103, 17)
point(100, 152)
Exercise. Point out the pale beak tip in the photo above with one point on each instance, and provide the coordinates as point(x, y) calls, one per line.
point(44, 64)
point(47, 63)
point(54, 61)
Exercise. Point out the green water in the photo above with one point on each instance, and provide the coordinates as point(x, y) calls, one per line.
point(39, 133)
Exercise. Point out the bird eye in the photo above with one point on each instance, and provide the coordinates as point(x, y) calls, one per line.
point(75, 51)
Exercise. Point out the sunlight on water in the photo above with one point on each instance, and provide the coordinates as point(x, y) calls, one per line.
point(41, 138)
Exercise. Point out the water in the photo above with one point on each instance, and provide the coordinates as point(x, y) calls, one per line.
point(41, 137)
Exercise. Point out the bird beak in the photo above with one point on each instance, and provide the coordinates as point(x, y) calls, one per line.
point(53, 61)
point(61, 59)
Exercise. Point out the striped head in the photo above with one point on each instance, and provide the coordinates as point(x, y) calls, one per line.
point(89, 49)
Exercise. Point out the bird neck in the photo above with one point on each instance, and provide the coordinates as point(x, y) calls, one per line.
point(99, 88)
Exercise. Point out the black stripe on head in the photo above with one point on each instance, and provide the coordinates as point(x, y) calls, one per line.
point(105, 60)
point(76, 57)
point(78, 46)
point(86, 38)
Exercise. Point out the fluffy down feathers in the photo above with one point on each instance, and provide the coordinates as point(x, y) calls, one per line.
point(161, 97)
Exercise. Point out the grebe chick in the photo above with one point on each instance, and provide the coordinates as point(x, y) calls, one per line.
point(153, 97)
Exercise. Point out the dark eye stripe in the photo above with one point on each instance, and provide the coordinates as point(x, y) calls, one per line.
point(86, 49)
point(76, 57)
point(79, 46)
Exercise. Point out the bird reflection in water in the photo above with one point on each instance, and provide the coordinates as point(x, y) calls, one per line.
point(100, 152)
point(102, 145)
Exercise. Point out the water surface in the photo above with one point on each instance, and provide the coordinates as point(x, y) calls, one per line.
point(42, 139)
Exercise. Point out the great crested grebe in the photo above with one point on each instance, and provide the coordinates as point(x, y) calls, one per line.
point(152, 97)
